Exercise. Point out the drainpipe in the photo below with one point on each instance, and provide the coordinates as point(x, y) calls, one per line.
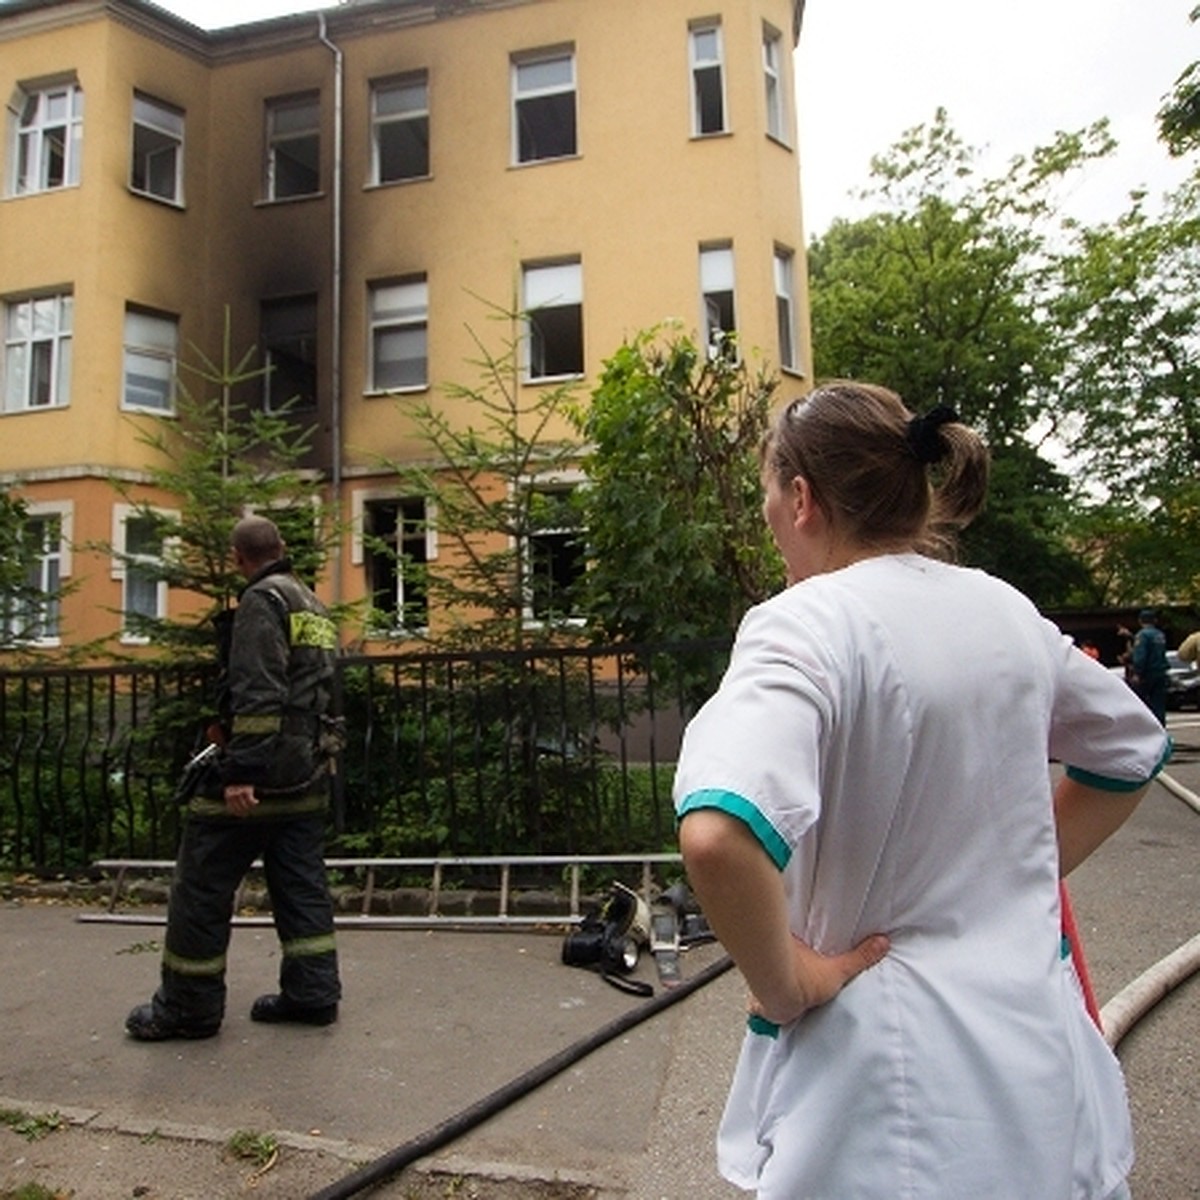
point(336, 307)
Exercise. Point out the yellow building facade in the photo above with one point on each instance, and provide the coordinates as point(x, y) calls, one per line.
point(355, 187)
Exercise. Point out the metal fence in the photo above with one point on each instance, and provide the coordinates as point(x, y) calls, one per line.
point(566, 750)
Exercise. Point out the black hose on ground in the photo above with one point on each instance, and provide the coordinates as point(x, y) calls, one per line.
point(396, 1160)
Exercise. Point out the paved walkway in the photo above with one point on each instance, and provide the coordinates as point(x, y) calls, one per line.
point(434, 1021)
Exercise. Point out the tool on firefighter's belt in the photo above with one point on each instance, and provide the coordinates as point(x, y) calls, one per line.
point(609, 940)
point(194, 771)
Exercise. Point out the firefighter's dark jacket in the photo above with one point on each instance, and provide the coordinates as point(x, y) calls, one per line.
point(275, 687)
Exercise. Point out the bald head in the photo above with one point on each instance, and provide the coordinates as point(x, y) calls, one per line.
point(256, 542)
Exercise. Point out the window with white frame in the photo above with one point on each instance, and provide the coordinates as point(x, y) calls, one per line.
point(552, 300)
point(47, 139)
point(716, 297)
point(400, 128)
point(139, 565)
point(554, 559)
point(785, 308)
point(31, 612)
point(151, 347)
point(157, 168)
point(289, 342)
point(397, 546)
point(399, 320)
point(293, 146)
point(773, 79)
point(544, 119)
point(708, 78)
point(37, 352)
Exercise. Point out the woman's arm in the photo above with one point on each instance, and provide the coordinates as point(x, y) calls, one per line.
point(1086, 817)
point(741, 894)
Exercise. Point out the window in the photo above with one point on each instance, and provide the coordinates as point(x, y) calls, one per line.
point(289, 342)
point(397, 545)
point(151, 344)
point(716, 294)
point(553, 305)
point(139, 564)
point(400, 334)
point(49, 138)
point(555, 553)
point(32, 611)
point(37, 353)
point(544, 107)
point(785, 309)
point(708, 85)
point(157, 150)
point(773, 80)
point(400, 128)
point(293, 147)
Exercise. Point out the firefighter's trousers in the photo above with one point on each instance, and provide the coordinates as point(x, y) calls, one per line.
point(214, 856)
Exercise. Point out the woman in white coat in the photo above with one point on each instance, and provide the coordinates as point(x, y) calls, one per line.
point(868, 820)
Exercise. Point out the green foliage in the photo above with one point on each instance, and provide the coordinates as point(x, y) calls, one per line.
point(258, 1148)
point(1179, 117)
point(677, 548)
point(498, 473)
point(942, 295)
point(221, 456)
point(32, 1127)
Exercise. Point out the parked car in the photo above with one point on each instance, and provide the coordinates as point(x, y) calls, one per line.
point(1183, 682)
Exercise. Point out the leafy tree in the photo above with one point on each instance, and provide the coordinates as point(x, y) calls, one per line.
point(497, 479)
point(942, 295)
point(677, 548)
point(218, 458)
point(1179, 117)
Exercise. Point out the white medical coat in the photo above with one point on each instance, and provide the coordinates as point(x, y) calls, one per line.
point(886, 732)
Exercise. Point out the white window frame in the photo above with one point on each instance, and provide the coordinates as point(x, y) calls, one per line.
point(718, 279)
point(360, 501)
point(161, 127)
point(783, 266)
point(398, 308)
point(37, 330)
point(700, 65)
point(526, 91)
point(547, 287)
point(152, 343)
point(775, 86)
point(412, 110)
point(559, 481)
point(278, 138)
point(122, 567)
point(36, 134)
point(53, 567)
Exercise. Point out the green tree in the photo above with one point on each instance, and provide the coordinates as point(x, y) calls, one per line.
point(1179, 117)
point(677, 548)
point(942, 295)
point(219, 457)
point(498, 475)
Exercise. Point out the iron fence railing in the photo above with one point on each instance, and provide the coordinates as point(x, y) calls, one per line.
point(554, 750)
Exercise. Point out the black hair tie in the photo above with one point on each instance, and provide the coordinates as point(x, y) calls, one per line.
point(924, 434)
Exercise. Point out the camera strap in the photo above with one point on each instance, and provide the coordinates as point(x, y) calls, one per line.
point(635, 987)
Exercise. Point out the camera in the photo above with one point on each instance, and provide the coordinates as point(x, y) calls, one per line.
point(610, 938)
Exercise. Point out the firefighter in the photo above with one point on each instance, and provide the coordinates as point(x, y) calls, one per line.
point(266, 796)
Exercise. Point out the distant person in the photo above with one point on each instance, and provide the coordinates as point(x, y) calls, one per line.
point(1090, 649)
point(1148, 658)
point(1189, 648)
point(867, 819)
point(267, 796)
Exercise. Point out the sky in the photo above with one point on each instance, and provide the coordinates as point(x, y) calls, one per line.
point(1009, 76)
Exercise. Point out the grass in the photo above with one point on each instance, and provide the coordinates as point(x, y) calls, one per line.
point(31, 1127)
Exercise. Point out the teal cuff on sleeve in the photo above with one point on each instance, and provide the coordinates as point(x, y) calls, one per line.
point(761, 1026)
point(1106, 784)
point(738, 806)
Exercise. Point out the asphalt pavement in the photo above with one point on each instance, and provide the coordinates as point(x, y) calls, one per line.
point(438, 1026)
